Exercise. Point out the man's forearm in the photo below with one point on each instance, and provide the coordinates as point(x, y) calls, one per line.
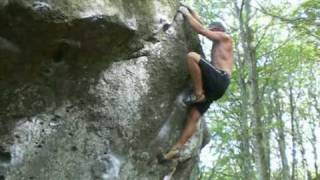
point(194, 14)
point(194, 23)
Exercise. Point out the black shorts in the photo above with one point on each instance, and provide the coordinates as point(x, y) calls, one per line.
point(215, 84)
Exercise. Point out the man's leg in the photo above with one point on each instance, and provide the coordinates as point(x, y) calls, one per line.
point(190, 127)
point(192, 120)
point(195, 72)
point(194, 115)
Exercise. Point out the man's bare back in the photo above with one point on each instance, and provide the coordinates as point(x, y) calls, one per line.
point(222, 55)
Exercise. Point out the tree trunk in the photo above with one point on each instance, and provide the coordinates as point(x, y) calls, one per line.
point(267, 135)
point(244, 140)
point(314, 148)
point(302, 149)
point(254, 100)
point(293, 134)
point(281, 139)
point(246, 161)
point(313, 128)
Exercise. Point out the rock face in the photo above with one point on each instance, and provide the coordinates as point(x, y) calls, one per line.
point(90, 89)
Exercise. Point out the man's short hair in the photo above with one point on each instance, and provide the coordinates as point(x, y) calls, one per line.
point(217, 25)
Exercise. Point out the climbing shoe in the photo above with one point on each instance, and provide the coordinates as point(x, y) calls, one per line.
point(164, 158)
point(193, 99)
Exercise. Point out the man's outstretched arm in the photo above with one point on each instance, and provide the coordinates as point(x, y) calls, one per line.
point(194, 23)
point(199, 28)
point(193, 13)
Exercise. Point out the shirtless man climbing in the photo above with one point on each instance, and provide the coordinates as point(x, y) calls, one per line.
point(209, 80)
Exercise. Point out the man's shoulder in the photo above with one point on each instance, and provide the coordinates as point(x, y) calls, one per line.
point(224, 37)
point(227, 40)
point(227, 37)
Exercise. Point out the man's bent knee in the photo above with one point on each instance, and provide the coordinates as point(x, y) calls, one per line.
point(193, 56)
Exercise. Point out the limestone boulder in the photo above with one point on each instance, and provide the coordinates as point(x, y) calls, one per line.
point(91, 89)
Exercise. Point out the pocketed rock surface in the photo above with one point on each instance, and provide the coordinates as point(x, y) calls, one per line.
point(91, 89)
